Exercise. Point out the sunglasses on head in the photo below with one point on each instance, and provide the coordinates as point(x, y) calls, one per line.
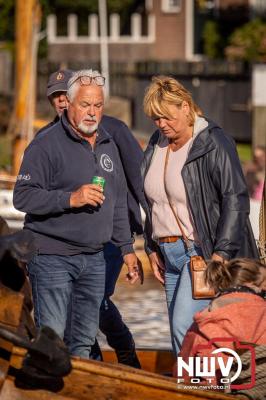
point(87, 80)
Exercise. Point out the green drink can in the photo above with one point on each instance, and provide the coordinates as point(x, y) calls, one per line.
point(98, 180)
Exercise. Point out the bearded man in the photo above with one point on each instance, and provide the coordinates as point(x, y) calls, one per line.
point(70, 217)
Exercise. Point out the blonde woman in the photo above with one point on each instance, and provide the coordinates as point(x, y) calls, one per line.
point(192, 160)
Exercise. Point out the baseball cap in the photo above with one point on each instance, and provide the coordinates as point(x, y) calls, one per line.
point(57, 81)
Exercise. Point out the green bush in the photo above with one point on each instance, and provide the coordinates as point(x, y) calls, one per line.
point(5, 152)
point(248, 43)
point(244, 152)
point(211, 40)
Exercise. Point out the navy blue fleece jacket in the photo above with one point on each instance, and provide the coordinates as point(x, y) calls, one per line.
point(131, 156)
point(57, 164)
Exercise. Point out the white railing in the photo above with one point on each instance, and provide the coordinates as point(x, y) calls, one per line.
point(13, 217)
point(94, 37)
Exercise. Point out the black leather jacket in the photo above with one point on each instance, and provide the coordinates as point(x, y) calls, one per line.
point(217, 195)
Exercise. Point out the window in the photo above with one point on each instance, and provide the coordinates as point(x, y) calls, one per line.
point(171, 6)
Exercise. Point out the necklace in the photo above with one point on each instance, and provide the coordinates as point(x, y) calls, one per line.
point(239, 289)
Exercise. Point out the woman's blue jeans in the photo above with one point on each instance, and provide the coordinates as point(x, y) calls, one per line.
point(178, 288)
point(59, 280)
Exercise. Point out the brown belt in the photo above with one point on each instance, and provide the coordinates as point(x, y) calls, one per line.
point(169, 239)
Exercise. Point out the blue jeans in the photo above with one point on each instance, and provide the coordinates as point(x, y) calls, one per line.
point(181, 305)
point(58, 281)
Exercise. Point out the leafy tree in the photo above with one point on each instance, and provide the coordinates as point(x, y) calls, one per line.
point(211, 40)
point(62, 8)
point(7, 20)
point(90, 6)
point(84, 7)
point(248, 43)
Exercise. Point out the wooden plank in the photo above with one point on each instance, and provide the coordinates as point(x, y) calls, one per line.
point(10, 307)
point(10, 312)
point(142, 384)
point(158, 361)
point(11, 392)
point(102, 381)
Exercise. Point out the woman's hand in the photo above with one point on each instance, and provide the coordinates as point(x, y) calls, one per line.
point(157, 266)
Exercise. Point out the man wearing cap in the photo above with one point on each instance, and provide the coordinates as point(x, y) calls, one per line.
point(71, 218)
point(56, 93)
point(57, 89)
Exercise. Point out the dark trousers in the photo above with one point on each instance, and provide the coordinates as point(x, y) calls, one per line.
point(111, 324)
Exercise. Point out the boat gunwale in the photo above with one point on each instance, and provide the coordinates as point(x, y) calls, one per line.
point(140, 377)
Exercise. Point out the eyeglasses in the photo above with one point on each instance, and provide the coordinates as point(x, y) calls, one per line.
point(87, 80)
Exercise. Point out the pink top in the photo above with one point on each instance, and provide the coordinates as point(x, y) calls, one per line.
point(163, 220)
point(258, 192)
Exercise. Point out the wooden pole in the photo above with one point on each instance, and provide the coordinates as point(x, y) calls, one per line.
point(262, 227)
point(27, 16)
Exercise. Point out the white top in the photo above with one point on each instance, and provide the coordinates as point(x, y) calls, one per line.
point(163, 220)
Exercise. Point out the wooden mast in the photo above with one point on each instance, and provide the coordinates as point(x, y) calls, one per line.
point(28, 16)
point(262, 227)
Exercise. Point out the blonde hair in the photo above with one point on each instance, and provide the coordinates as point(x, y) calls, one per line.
point(165, 90)
point(236, 272)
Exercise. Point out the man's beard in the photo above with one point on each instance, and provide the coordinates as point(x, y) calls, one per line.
point(87, 130)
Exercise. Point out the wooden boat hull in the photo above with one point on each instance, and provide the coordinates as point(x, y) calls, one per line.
point(88, 379)
point(158, 361)
point(104, 381)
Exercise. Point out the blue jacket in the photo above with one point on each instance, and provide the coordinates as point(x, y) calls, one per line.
point(131, 156)
point(57, 164)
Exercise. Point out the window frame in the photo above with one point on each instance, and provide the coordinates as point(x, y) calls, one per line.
point(168, 8)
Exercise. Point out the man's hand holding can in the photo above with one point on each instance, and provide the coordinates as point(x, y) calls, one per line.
point(87, 194)
point(135, 270)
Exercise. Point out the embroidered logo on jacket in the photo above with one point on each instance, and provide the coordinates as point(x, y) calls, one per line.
point(106, 163)
point(24, 177)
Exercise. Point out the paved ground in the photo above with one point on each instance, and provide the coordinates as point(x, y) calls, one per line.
point(143, 307)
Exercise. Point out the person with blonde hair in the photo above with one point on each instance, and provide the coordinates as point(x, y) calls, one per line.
point(197, 196)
